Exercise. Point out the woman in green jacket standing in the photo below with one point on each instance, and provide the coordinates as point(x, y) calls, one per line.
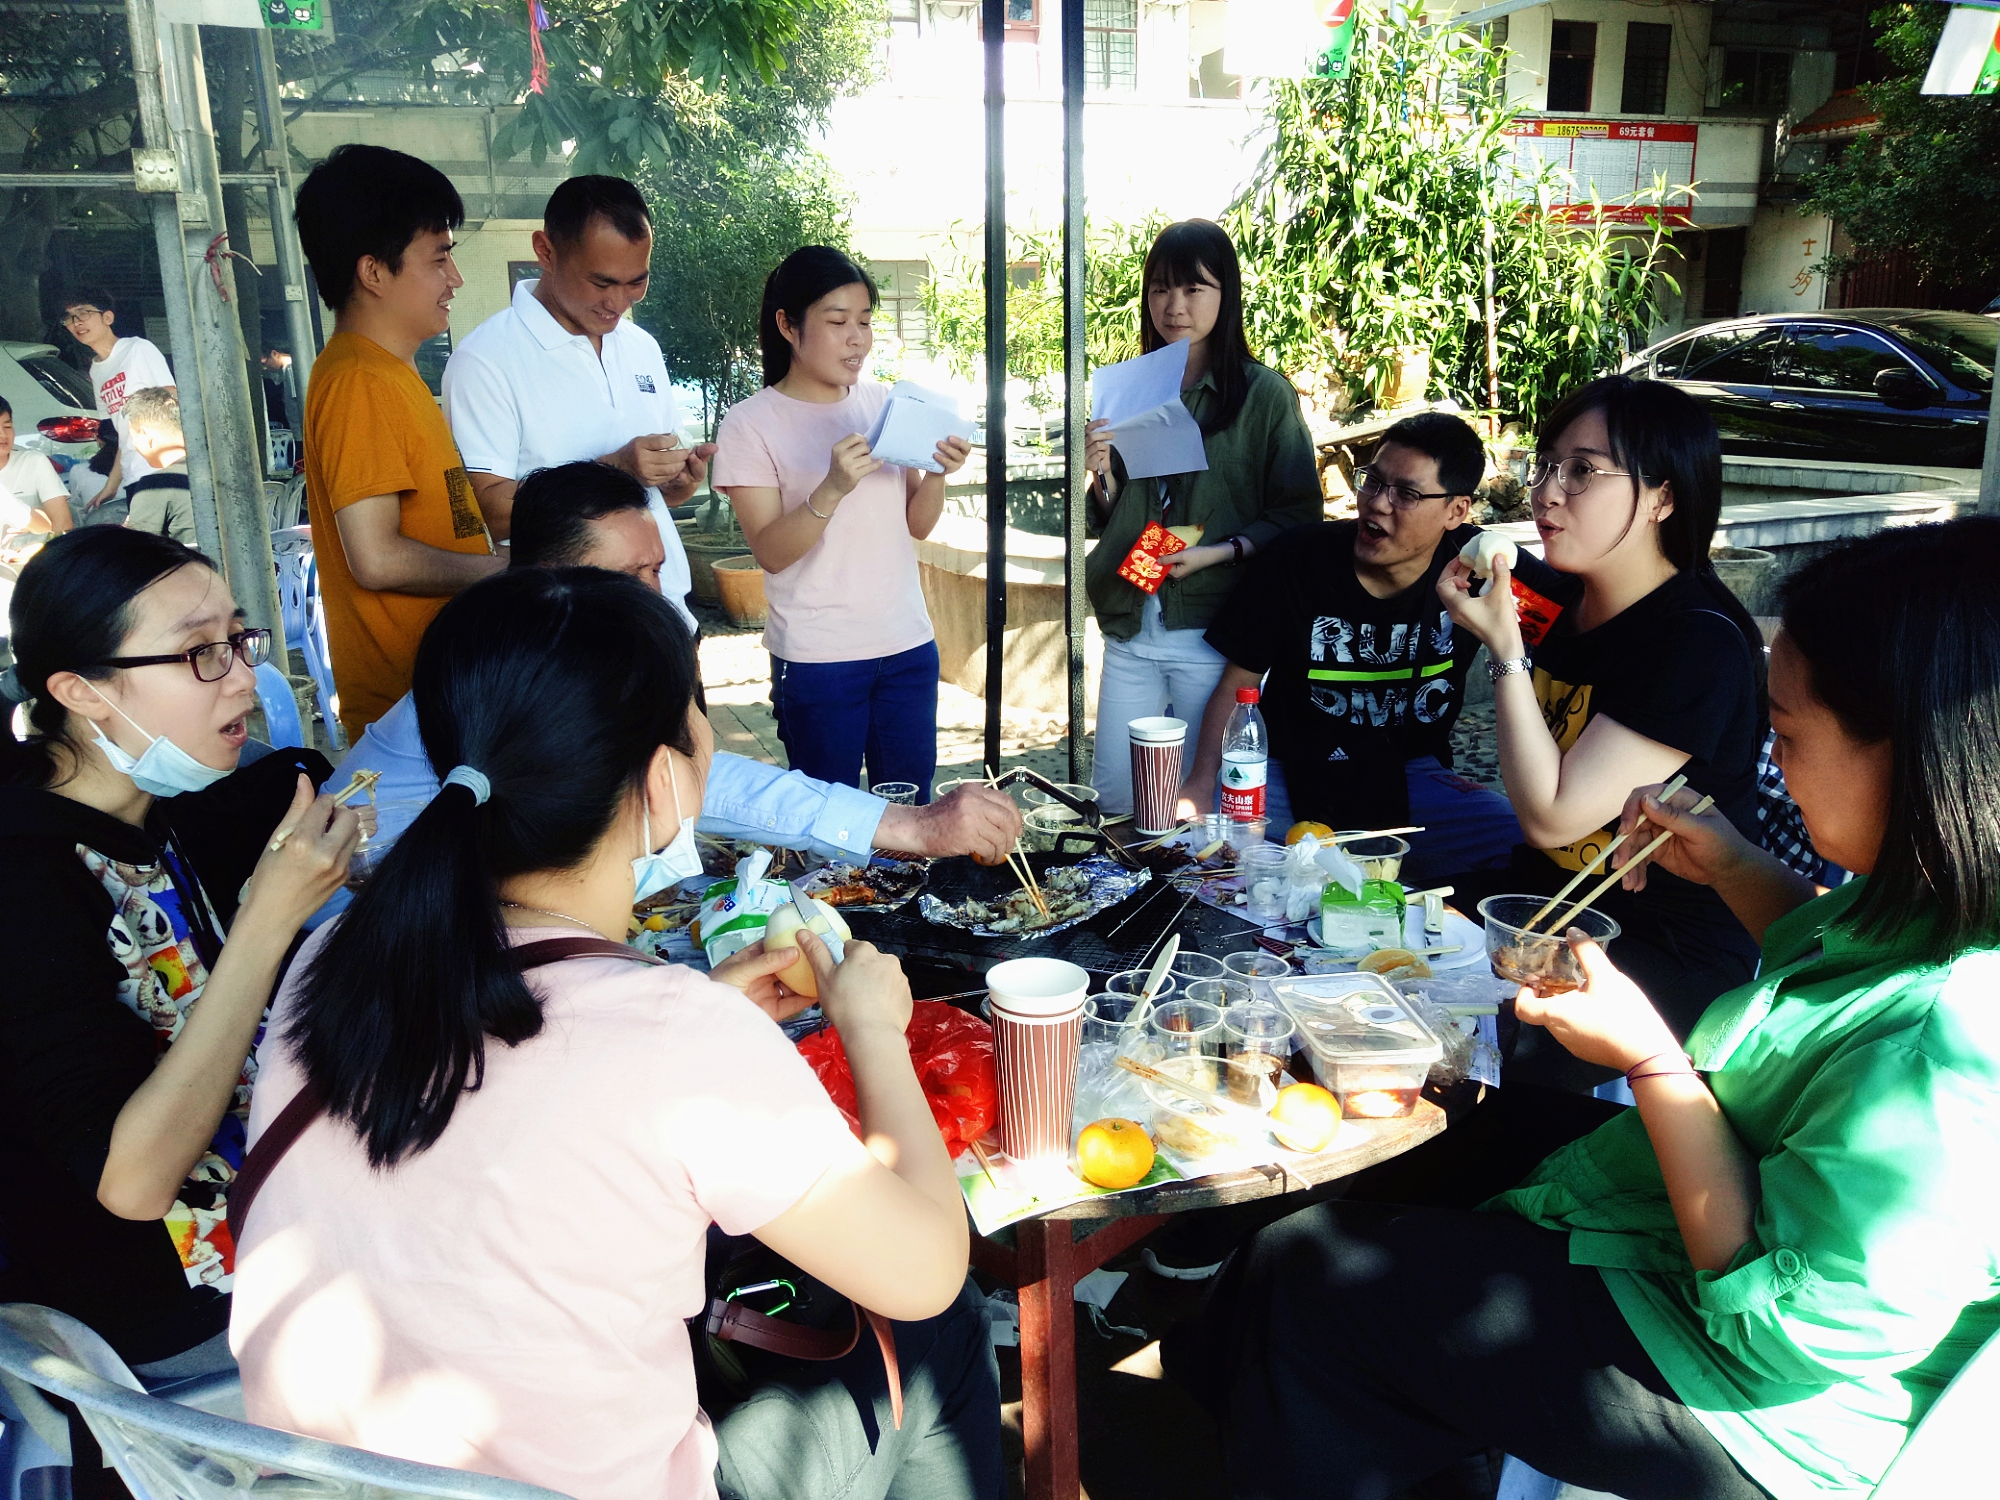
point(1757, 1281)
point(1261, 480)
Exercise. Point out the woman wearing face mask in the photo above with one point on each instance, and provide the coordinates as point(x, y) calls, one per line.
point(854, 661)
point(1261, 480)
point(483, 1253)
point(1651, 669)
point(126, 1020)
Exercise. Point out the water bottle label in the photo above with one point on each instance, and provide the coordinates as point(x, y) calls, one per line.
point(1243, 788)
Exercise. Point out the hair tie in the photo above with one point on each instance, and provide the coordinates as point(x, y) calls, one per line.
point(473, 781)
point(10, 687)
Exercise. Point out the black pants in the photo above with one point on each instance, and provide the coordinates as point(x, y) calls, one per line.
point(1358, 1347)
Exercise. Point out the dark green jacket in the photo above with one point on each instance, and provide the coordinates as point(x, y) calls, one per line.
point(1261, 481)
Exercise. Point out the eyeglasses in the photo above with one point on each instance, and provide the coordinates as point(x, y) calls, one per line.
point(210, 663)
point(77, 315)
point(1574, 475)
point(1369, 484)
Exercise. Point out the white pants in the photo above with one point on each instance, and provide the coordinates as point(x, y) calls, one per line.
point(1158, 671)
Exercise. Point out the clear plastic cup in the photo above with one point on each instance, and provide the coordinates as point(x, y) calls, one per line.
point(1105, 1015)
point(902, 793)
point(1541, 959)
point(1380, 858)
point(1264, 882)
point(1185, 1028)
point(1133, 982)
point(1257, 1038)
point(1188, 967)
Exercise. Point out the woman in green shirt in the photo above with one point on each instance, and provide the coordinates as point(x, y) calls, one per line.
point(1757, 1281)
point(1261, 480)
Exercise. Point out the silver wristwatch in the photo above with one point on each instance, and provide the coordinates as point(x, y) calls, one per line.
point(1499, 669)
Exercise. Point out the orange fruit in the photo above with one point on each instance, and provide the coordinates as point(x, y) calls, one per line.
point(1394, 963)
point(1305, 1118)
point(1299, 830)
point(1114, 1153)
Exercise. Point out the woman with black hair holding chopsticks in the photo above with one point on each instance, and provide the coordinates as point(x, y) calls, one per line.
point(1756, 1282)
point(152, 907)
point(1620, 659)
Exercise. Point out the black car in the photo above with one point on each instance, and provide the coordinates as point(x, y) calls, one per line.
point(1873, 385)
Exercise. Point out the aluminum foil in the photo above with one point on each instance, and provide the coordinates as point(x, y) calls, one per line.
point(1110, 883)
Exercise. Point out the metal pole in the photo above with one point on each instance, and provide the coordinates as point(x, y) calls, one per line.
point(994, 18)
point(161, 181)
point(1076, 393)
point(221, 361)
point(285, 230)
point(1989, 471)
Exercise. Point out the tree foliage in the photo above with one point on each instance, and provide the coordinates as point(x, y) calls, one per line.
point(1378, 202)
point(1925, 183)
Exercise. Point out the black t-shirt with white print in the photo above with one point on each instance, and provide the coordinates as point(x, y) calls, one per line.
point(1357, 686)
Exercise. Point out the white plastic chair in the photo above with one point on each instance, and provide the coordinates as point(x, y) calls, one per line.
point(167, 1451)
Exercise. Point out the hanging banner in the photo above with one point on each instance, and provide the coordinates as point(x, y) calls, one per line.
point(1617, 158)
point(1967, 60)
point(294, 15)
point(1342, 18)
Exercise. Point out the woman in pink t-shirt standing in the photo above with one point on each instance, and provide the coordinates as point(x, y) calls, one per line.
point(484, 1249)
point(854, 662)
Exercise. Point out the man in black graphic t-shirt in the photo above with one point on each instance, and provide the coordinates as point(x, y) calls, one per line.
point(1365, 673)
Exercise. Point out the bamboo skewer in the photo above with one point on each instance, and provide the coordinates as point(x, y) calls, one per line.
point(1221, 1103)
point(1018, 862)
point(1596, 864)
point(985, 1166)
point(360, 781)
point(1374, 833)
point(1562, 924)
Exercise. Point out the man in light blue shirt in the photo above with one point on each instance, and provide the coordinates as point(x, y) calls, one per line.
point(589, 514)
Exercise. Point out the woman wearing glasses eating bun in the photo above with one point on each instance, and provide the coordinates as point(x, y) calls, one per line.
point(1649, 669)
point(129, 853)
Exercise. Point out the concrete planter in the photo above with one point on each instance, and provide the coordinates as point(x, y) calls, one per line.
point(1406, 381)
point(740, 584)
point(1750, 573)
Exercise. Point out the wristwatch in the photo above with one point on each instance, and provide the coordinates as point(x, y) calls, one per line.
point(1499, 669)
point(1237, 543)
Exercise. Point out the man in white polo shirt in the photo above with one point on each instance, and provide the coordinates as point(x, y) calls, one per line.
point(563, 374)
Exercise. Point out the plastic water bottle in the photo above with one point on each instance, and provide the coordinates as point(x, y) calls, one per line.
point(1246, 758)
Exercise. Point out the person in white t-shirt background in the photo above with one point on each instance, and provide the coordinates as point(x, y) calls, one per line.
point(119, 368)
point(563, 374)
point(32, 497)
point(854, 661)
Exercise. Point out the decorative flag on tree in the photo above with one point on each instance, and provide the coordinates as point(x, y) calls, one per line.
point(538, 71)
point(1342, 19)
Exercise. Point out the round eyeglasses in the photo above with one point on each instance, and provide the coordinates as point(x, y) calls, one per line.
point(210, 662)
point(1573, 475)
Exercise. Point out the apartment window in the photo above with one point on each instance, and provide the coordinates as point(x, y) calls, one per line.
point(907, 13)
point(901, 283)
point(1572, 59)
point(1024, 15)
point(1111, 45)
point(1648, 51)
point(1756, 83)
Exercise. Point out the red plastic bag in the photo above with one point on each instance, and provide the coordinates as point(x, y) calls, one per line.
point(953, 1055)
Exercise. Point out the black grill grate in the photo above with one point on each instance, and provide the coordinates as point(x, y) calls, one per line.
point(1116, 939)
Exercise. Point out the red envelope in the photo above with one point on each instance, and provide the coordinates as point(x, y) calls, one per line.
point(1144, 566)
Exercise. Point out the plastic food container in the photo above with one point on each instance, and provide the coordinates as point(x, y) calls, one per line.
point(1369, 1047)
point(1544, 961)
point(1185, 1125)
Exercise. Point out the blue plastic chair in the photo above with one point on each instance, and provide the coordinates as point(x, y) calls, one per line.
point(281, 709)
point(304, 614)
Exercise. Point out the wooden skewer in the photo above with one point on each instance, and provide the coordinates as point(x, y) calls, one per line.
point(985, 1166)
point(1219, 1102)
point(1018, 862)
point(1374, 833)
point(1561, 925)
point(1596, 864)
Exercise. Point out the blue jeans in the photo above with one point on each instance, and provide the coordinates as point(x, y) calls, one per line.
point(1466, 826)
point(834, 714)
point(828, 1433)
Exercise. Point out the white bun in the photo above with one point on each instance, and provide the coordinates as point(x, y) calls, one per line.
point(778, 934)
point(1478, 554)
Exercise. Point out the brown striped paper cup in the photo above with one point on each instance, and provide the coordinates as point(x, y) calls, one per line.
point(1037, 1006)
point(1156, 771)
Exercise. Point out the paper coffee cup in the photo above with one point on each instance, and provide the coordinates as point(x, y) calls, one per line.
point(1156, 771)
point(1037, 1007)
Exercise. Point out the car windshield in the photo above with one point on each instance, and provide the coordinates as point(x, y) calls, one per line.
point(58, 379)
point(1962, 345)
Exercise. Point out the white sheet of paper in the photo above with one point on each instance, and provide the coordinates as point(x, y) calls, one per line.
point(1141, 399)
point(912, 424)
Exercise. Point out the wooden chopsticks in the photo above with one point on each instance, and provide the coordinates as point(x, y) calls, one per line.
point(1018, 862)
point(1562, 924)
point(359, 782)
point(1596, 864)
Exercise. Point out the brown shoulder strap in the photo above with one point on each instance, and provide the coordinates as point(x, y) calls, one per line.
point(737, 1323)
point(308, 1104)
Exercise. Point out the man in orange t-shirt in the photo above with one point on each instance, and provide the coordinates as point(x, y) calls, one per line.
point(396, 530)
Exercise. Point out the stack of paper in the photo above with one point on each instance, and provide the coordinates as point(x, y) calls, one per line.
point(912, 424)
point(1141, 399)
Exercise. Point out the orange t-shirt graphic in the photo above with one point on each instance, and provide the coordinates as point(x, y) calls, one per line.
point(373, 428)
